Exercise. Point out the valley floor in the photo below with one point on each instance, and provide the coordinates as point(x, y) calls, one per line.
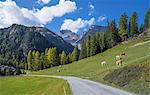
point(28, 85)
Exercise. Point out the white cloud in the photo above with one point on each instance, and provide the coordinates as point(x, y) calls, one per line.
point(44, 1)
point(11, 13)
point(92, 8)
point(76, 25)
point(101, 18)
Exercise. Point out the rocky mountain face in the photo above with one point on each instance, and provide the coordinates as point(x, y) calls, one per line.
point(18, 40)
point(76, 39)
point(69, 36)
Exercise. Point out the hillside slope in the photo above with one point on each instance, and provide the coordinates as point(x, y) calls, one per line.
point(137, 52)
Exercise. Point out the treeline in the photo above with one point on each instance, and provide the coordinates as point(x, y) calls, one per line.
point(127, 28)
point(50, 58)
point(100, 42)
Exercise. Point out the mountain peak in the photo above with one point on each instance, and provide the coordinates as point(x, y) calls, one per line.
point(69, 36)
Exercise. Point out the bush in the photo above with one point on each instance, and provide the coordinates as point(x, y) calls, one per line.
point(8, 70)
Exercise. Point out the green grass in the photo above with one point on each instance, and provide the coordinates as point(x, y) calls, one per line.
point(27, 85)
point(90, 68)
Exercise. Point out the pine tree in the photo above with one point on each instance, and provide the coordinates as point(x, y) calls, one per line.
point(93, 46)
point(37, 61)
point(102, 41)
point(129, 30)
point(33, 60)
point(123, 25)
point(70, 57)
point(108, 37)
point(115, 35)
point(67, 59)
point(147, 20)
point(52, 57)
point(49, 57)
point(75, 54)
point(133, 24)
point(83, 50)
point(46, 65)
point(55, 57)
point(42, 61)
point(29, 59)
point(88, 44)
point(63, 58)
point(98, 45)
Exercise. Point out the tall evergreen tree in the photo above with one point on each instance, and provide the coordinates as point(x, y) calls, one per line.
point(123, 25)
point(98, 45)
point(115, 35)
point(108, 37)
point(33, 59)
point(37, 61)
point(147, 20)
point(133, 24)
point(67, 59)
point(75, 54)
point(129, 30)
point(29, 59)
point(93, 46)
point(49, 57)
point(63, 58)
point(102, 41)
point(52, 56)
point(42, 61)
point(55, 57)
point(46, 65)
point(88, 45)
point(83, 50)
point(70, 57)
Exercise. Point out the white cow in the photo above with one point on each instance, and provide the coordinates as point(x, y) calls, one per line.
point(103, 63)
point(118, 57)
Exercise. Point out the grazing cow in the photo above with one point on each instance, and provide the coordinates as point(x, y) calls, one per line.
point(123, 53)
point(58, 70)
point(103, 63)
point(119, 62)
point(118, 57)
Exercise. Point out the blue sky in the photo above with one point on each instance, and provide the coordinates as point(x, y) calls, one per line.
point(99, 10)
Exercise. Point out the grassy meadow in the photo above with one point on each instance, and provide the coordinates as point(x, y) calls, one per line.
point(27, 85)
point(91, 68)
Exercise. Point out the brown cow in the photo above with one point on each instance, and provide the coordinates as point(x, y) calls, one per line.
point(123, 53)
point(119, 62)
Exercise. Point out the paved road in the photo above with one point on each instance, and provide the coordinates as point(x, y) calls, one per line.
point(86, 87)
